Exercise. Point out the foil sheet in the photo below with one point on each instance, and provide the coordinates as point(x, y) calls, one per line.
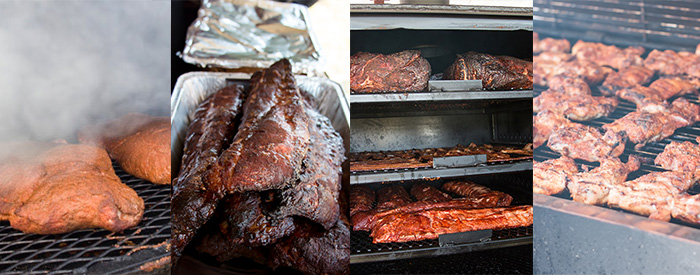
point(244, 33)
point(192, 88)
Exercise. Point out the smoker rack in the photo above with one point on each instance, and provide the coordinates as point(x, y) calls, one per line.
point(518, 185)
point(96, 250)
point(663, 24)
point(509, 260)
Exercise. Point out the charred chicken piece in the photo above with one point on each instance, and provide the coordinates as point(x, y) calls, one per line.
point(651, 194)
point(589, 71)
point(654, 121)
point(550, 45)
point(687, 208)
point(594, 186)
point(569, 85)
point(606, 55)
point(575, 107)
point(585, 142)
point(550, 177)
point(669, 62)
point(681, 157)
point(629, 77)
point(544, 124)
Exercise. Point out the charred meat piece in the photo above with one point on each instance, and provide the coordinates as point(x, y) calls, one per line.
point(392, 197)
point(670, 87)
point(66, 188)
point(606, 55)
point(651, 194)
point(589, 71)
point(430, 224)
point(139, 143)
point(629, 77)
point(366, 220)
point(654, 121)
point(361, 199)
point(243, 222)
point(681, 157)
point(212, 129)
point(554, 57)
point(669, 62)
point(313, 250)
point(425, 192)
point(687, 208)
point(585, 142)
point(550, 177)
point(593, 187)
point(405, 71)
point(550, 45)
point(639, 95)
point(495, 72)
point(575, 107)
point(468, 189)
point(569, 85)
point(545, 123)
point(315, 196)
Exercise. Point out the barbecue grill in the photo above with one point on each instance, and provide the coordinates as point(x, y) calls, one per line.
point(575, 237)
point(447, 115)
point(142, 249)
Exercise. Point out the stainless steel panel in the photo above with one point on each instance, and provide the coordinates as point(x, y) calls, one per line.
point(440, 96)
point(415, 174)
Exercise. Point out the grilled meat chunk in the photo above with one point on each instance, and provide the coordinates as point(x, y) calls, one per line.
point(550, 177)
point(405, 71)
point(593, 187)
point(211, 130)
point(669, 62)
point(572, 86)
point(629, 77)
point(495, 72)
point(654, 121)
point(429, 224)
point(606, 55)
point(687, 208)
point(589, 71)
point(550, 45)
point(575, 107)
point(66, 188)
point(361, 199)
point(681, 157)
point(585, 142)
point(315, 195)
point(392, 197)
point(544, 124)
point(139, 143)
point(651, 194)
point(468, 189)
point(425, 192)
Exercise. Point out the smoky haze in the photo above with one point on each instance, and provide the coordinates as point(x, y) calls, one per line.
point(67, 64)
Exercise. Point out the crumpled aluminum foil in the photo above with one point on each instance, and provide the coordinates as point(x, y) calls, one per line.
point(244, 33)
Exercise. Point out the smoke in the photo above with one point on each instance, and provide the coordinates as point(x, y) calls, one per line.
point(68, 64)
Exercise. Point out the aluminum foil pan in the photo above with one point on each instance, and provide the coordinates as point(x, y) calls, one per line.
point(192, 88)
point(244, 33)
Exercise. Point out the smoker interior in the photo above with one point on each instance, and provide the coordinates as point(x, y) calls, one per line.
point(95, 251)
point(416, 122)
point(518, 185)
point(440, 47)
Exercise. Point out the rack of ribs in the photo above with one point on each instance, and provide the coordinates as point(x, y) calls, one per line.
point(392, 197)
point(681, 157)
point(654, 121)
point(468, 189)
point(425, 192)
point(211, 130)
point(593, 187)
point(550, 177)
point(361, 199)
point(429, 224)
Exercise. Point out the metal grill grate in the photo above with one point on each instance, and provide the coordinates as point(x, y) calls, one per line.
point(511, 260)
point(648, 152)
point(93, 251)
point(518, 185)
point(672, 24)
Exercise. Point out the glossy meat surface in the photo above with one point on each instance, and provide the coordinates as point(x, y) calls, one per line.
point(425, 192)
point(361, 199)
point(392, 197)
point(550, 177)
point(405, 71)
point(681, 157)
point(585, 142)
point(593, 187)
point(651, 194)
point(631, 76)
point(575, 107)
point(495, 72)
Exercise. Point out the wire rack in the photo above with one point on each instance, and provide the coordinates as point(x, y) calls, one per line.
point(94, 251)
point(648, 152)
point(511, 260)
